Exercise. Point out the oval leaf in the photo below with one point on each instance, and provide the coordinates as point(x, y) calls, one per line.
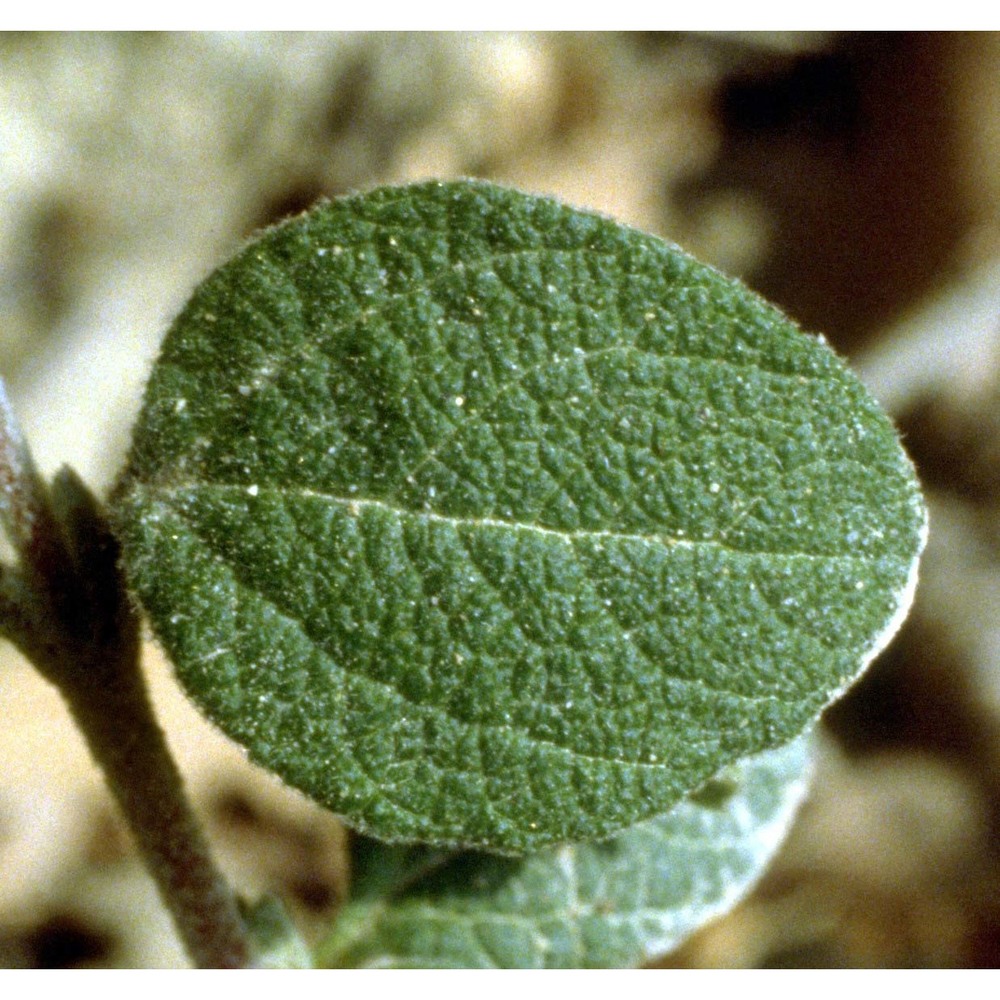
point(486, 521)
point(612, 905)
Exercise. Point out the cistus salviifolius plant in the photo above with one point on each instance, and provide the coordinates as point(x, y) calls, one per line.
point(527, 544)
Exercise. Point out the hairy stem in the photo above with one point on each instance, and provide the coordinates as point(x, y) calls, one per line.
point(111, 705)
point(65, 606)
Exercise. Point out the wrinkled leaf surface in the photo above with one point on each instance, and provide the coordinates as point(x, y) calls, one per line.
point(486, 521)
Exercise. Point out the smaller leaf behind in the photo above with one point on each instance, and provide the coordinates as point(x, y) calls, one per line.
point(275, 942)
point(616, 904)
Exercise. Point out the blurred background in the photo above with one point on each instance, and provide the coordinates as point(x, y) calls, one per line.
point(854, 179)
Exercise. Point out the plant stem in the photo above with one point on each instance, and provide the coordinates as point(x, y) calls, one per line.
point(65, 606)
point(112, 708)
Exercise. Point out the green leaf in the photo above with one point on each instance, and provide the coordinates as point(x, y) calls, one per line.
point(612, 905)
point(275, 942)
point(489, 522)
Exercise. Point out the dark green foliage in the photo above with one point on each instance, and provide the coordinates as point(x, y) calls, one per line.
point(489, 522)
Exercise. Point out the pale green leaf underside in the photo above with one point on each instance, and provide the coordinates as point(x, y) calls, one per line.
point(612, 905)
point(485, 521)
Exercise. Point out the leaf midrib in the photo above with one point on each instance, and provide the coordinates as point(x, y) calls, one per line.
point(355, 504)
